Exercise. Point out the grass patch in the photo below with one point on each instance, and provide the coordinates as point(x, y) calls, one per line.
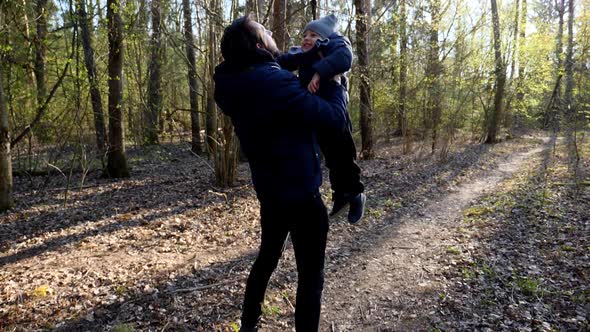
point(453, 250)
point(528, 286)
point(123, 328)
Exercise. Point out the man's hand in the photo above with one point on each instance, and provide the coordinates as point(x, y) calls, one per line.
point(314, 85)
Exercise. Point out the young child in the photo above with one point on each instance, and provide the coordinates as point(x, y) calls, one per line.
point(324, 55)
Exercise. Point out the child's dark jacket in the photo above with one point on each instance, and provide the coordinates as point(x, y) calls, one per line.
point(335, 58)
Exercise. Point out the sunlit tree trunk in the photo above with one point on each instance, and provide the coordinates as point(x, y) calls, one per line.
point(568, 102)
point(494, 118)
point(521, 59)
point(154, 94)
point(193, 84)
point(89, 62)
point(116, 159)
point(366, 118)
point(550, 118)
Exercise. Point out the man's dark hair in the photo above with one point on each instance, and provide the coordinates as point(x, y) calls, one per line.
point(239, 40)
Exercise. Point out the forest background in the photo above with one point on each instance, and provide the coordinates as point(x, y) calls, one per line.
point(123, 192)
point(94, 76)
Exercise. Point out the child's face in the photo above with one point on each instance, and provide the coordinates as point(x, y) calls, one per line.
point(309, 39)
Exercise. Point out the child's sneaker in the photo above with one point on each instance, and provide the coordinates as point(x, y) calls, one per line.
point(357, 208)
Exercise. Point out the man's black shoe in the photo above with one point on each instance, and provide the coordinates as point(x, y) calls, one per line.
point(357, 208)
point(248, 329)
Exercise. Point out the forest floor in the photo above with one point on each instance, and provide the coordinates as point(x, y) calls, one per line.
point(493, 238)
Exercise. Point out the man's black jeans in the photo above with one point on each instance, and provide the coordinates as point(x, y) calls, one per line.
point(307, 222)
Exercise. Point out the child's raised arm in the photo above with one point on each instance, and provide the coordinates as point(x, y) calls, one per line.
point(293, 59)
point(337, 57)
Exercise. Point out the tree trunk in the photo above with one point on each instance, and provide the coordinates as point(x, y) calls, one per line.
point(393, 114)
point(116, 159)
point(568, 102)
point(366, 118)
point(314, 9)
point(154, 106)
point(515, 40)
point(550, 118)
point(90, 64)
point(403, 72)
point(211, 116)
point(193, 84)
point(521, 62)
point(494, 118)
point(433, 73)
point(279, 28)
point(6, 201)
point(40, 50)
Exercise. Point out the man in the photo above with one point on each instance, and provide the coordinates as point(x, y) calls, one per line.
point(275, 119)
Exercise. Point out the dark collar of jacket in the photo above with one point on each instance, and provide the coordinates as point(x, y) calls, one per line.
point(246, 61)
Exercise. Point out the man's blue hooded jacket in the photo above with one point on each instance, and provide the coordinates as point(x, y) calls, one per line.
point(275, 119)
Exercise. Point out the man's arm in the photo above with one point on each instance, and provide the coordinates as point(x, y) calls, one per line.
point(326, 109)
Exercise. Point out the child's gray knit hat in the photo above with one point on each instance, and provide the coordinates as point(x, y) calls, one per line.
point(324, 27)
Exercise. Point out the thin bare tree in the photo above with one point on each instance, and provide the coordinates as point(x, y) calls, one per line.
point(116, 158)
point(493, 120)
point(362, 49)
point(154, 92)
point(6, 200)
point(193, 84)
point(89, 62)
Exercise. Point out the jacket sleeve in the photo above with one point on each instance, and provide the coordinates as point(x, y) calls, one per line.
point(337, 57)
point(326, 109)
point(295, 58)
point(289, 61)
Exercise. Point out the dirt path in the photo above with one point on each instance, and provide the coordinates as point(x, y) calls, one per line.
point(394, 279)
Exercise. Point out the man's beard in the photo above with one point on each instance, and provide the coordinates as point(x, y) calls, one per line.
point(272, 48)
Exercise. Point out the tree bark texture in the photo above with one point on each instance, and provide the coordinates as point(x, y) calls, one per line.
point(366, 111)
point(521, 62)
point(403, 72)
point(568, 102)
point(279, 28)
point(392, 115)
point(550, 118)
point(89, 62)
point(6, 200)
point(116, 159)
point(314, 9)
point(494, 118)
point(40, 50)
point(154, 93)
point(433, 74)
point(193, 84)
point(211, 114)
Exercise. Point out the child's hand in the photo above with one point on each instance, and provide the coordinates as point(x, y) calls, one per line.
point(314, 85)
